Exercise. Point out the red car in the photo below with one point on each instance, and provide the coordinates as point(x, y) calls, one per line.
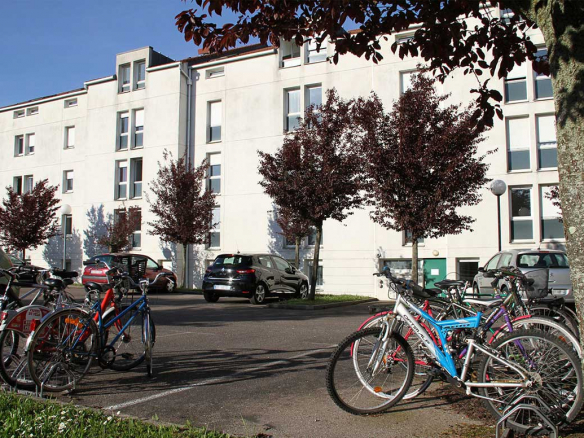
point(128, 263)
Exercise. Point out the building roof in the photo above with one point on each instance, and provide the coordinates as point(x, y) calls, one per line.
point(243, 50)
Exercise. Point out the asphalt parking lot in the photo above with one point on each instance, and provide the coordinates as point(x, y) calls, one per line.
point(249, 370)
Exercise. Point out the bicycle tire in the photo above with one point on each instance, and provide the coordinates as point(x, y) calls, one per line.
point(62, 349)
point(13, 367)
point(556, 375)
point(558, 315)
point(130, 347)
point(381, 394)
point(422, 379)
point(149, 340)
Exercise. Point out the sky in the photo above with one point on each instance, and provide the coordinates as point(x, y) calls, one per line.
point(53, 46)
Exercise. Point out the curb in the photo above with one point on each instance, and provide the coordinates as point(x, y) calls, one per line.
point(318, 306)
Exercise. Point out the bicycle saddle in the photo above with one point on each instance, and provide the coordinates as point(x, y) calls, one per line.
point(485, 303)
point(445, 284)
point(420, 292)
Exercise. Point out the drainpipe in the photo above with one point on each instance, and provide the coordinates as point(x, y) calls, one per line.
point(189, 159)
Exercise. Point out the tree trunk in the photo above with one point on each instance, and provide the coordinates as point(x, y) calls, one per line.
point(297, 253)
point(24, 255)
point(415, 260)
point(562, 25)
point(184, 276)
point(314, 274)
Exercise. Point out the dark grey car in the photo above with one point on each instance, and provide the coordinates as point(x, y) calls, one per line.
point(528, 260)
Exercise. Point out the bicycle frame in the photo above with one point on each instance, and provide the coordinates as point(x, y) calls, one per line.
point(441, 354)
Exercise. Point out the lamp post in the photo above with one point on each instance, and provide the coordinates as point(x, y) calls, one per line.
point(498, 188)
point(65, 211)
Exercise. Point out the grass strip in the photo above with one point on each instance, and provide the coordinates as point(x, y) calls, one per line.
point(23, 416)
point(327, 299)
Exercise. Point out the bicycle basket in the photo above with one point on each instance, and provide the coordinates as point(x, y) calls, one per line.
point(539, 288)
point(138, 270)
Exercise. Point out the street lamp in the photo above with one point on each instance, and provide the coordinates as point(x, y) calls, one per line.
point(65, 211)
point(498, 188)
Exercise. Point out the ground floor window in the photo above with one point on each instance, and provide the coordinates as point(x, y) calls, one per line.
point(402, 268)
point(319, 277)
point(467, 269)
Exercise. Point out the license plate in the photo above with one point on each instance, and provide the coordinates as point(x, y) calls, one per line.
point(560, 291)
point(222, 287)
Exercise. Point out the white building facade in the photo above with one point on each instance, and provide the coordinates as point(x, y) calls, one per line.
point(225, 109)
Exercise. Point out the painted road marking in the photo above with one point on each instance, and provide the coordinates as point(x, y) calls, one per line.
point(212, 381)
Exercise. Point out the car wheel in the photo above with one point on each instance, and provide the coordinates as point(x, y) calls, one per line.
point(259, 295)
point(210, 297)
point(303, 291)
point(475, 290)
point(170, 286)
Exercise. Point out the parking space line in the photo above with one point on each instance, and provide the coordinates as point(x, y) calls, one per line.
point(212, 381)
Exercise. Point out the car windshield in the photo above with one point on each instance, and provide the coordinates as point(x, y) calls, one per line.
point(542, 260)
point(235, 260)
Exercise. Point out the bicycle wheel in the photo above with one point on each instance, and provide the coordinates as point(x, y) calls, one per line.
point(149, 341)
point(13, 367)
point(422, 378)
point(362, 379)
point(130, 345)
point(555, 377)
point(545, 324)
point(558, 315)
point(62, 349)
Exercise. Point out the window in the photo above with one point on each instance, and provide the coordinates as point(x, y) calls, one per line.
point(214, 173)
point(492, 264)
point(319, 276)
point(281, 264)
point(406, 80)
point(547, 146)
point(19, 146)
point(516, 84)
point(67, 224)
point(136, 177)
point(69, 137)
point(313, 96)
point(312, 238)
point(402, 268)
point(290, 54)
point(505, 259)
point(123, 127)
point(124, 79)
point(316, 54)
point(32, 111)
point(265, 261)
point(289, 242)
point(17, 185)
point(467, 269)
point(18, 114)
point(121, 179)
point(292, 104)
point(138, 128)
point(140, 75)
point(408, 238)
point(214, 111)
point(69, 103)
point(215, 72)
point(551, 225)
point(521, 220)
point(137, 234)
point(506, 15)
point(215, 234)
point(518, 144)
point(30, 144)
point(28, 183)
point(543, 83)
point(68, 181)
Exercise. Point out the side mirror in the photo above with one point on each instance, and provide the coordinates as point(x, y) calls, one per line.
point(481, 270)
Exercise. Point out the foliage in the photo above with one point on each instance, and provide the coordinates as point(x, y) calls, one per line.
point(420, 163)
point(119, 229)
point(28, 220)
point(554, 196)
point(316, 173)
point(26, 417)
point(294, 228)
point(184, 211)
point(443, 40)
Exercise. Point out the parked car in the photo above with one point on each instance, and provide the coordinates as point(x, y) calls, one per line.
point(24, 276)
point(528, 260)
point(253, 276)
point(128, 263)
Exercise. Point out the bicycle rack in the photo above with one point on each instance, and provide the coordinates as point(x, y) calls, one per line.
point(540, 411)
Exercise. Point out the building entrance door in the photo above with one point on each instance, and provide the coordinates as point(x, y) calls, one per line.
point(434, 270)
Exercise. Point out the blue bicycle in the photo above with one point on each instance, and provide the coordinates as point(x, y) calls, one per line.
point(67, 342)
point(372, 369)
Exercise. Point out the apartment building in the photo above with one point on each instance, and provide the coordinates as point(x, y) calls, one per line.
point(225, 108)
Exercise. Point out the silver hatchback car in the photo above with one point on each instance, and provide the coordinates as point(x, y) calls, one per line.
point(528, 260)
